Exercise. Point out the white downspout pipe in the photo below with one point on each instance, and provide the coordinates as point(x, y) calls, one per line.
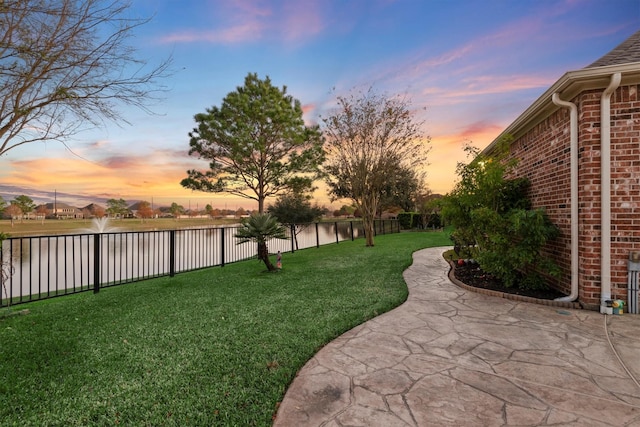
point(573, 123)
point(605, 191)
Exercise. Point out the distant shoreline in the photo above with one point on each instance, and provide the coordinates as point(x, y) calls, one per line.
point(53, 227)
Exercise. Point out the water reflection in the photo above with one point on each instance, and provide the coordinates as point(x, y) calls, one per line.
point(46, 266)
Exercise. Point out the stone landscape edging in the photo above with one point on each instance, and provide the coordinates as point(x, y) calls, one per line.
point(507, 295)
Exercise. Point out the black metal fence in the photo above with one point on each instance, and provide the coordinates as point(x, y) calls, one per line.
point(42, 267)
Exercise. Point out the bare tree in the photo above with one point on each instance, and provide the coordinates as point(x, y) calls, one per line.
point(65, 64)
point(42, 212)
point(369, 138)
point(14, 212)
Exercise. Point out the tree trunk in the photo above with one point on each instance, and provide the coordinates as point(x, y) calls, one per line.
point(368, 208)
point(367, 223)
point(263, 255)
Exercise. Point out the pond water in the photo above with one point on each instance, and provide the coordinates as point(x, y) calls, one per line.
point(49, 265)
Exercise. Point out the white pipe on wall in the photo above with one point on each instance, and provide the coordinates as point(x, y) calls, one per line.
point(573, 125)
point(605, 191)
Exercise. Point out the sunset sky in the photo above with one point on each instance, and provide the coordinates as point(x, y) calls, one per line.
point(469, 67)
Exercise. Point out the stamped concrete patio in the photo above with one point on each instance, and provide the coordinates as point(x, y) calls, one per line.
point(451, 357)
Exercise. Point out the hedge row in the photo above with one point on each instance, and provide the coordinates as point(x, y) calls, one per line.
point(410, 220)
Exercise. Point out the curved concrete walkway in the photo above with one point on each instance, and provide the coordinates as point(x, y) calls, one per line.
point(450, 357)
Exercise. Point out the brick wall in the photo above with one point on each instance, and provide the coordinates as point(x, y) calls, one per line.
point(625, 184)
point(544, 153)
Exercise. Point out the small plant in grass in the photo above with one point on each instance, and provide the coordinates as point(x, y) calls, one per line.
point(259, 228)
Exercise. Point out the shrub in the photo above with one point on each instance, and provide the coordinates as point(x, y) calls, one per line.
point(409, 220)
point(434, 220)
point(406, 220)
point(495, 224)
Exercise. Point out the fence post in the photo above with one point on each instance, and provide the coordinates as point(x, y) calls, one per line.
point(351, 226)
point(293, 238)
point(317, 236)
point(336, 224)
point(96, 263)
point(224, 230)
point(172, 253)
point(9, 273)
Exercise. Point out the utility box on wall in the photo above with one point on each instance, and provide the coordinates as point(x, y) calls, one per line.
point(633, 287)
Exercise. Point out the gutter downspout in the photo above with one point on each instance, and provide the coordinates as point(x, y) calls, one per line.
point(573, 115)
point(605, 191)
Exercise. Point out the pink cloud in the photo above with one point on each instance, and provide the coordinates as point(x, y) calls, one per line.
point(547, 26)
point(480, 133)
point(120, 162)
point(237, 34)
point(483, 54)
point(307, 108)
point(301, 20)
point(419, 68)
point(476, 130)
point(251, 21)
point(158, 172)
point(100, 144)
point(484, 85)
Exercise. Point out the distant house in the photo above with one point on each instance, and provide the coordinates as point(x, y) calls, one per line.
point(134, 210)
point(389, 215)
point(94, 209)
point(63, 211)
point(579, 145)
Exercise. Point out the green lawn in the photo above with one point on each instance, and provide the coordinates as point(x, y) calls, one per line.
point(212, 347)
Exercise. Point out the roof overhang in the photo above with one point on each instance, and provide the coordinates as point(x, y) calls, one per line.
point(570, 85)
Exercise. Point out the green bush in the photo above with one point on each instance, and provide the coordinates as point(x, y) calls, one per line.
point(410, 220)
point(511, 245)
point(406, 220)
point(495, 224)
point(434, 220)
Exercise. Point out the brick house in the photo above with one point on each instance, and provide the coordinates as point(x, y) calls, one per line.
point(579, 144)
point(62, 210)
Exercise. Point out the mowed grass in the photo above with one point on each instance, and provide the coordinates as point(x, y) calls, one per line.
point(212, 347)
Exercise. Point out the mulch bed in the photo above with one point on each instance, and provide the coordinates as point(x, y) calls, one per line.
point(472, 275)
